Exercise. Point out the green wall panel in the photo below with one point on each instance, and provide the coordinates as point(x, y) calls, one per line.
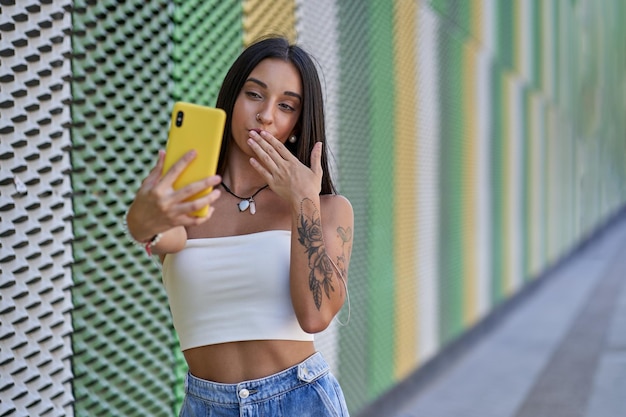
point(506, 32)
point(526, 186)
point(537, 46)
point(207, 38)
point(353, 152)
point(457, 12)
point(122, 338)
point(497, 184)
point(381, 199)
point(451, 178)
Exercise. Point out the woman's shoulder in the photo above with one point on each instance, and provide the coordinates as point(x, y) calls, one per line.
point(334, 199)
point(335, 203)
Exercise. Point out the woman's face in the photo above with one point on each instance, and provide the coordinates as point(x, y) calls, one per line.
point(273, 91)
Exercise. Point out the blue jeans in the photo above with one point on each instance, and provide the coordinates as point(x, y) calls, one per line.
point(306, 389)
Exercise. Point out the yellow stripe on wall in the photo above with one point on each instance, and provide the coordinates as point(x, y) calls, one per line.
point(470, 175)
point(508, 178)
point(262, 18)
point(536, 183)
point(476, 22)
point(553, 209)
point(405, 188)
point(471, 158)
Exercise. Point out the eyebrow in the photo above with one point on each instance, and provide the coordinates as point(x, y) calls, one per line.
point(262, 84)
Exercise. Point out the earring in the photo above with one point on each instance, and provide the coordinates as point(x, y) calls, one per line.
point(293, 139)
point(258, 117)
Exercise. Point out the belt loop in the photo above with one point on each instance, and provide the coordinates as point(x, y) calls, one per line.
point(312, 368)
point(303, 373)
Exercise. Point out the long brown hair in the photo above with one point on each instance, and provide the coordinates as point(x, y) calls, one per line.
point(310, 127)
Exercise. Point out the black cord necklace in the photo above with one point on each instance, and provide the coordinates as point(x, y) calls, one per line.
point(246, 202)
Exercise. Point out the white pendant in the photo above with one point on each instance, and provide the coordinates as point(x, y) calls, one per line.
point(252, 207)
point(243, 205)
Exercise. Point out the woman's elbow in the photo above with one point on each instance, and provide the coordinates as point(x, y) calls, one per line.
point(315, 323)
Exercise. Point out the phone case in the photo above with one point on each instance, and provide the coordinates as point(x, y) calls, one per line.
point(195, 127)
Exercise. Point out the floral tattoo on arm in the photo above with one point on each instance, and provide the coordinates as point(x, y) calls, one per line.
point(321, 265)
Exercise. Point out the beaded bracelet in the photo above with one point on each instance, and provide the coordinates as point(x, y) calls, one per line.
point(155, 239)
point(146, 245)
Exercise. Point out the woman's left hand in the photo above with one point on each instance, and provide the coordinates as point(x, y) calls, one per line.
point(285, 174)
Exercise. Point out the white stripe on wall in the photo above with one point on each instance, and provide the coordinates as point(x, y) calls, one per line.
point(483, 165)
point(427, 160)
point(537, 220)
point(316, 25)
point(317, 28)
point(36, 278)
point(489, 29)
point(515, 86)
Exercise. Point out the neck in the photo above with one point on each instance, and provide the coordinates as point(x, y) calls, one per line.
point(243, 186)
point(239, 175)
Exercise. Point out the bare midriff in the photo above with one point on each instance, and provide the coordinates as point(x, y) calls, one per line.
point(231, 363)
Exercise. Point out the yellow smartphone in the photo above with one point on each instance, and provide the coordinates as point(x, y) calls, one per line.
point(195, 127)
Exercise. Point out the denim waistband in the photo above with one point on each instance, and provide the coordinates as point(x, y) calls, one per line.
point(248, 392)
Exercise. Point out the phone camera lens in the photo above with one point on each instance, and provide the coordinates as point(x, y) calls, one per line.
point(179, 119)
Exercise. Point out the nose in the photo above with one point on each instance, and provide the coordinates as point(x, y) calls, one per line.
point(264, 116)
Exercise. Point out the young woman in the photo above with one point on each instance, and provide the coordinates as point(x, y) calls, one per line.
point(250, 283)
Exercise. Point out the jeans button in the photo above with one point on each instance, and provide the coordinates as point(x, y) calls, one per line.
point(244, 393)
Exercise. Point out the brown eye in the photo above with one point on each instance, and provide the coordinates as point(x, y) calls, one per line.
point(287, 107)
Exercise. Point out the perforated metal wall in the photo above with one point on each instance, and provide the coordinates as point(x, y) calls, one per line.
point(35, 209)
point(207, 37)
point(353, 169)
point(317, 29)
point(264, 17)
point(121, 96)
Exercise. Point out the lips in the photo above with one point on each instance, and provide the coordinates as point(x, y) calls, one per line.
point(256, 130)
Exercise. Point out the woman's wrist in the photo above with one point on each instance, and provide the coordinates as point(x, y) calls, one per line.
point(298, 198)
point(146, 243)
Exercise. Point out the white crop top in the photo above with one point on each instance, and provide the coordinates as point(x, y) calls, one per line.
point(232, 288)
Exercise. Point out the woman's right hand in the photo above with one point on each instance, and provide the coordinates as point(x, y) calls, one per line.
point(158, 207)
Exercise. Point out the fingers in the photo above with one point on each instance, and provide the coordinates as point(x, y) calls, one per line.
point(196, 187)
point(274, 148)
point(316, 159)
point(264, 164)
point(180, 204)
point(181, 213)
point(194, 205)
point(177, 169)
point(264, 157)
point(158, 187)
point(155, 173)
point(195, 221)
